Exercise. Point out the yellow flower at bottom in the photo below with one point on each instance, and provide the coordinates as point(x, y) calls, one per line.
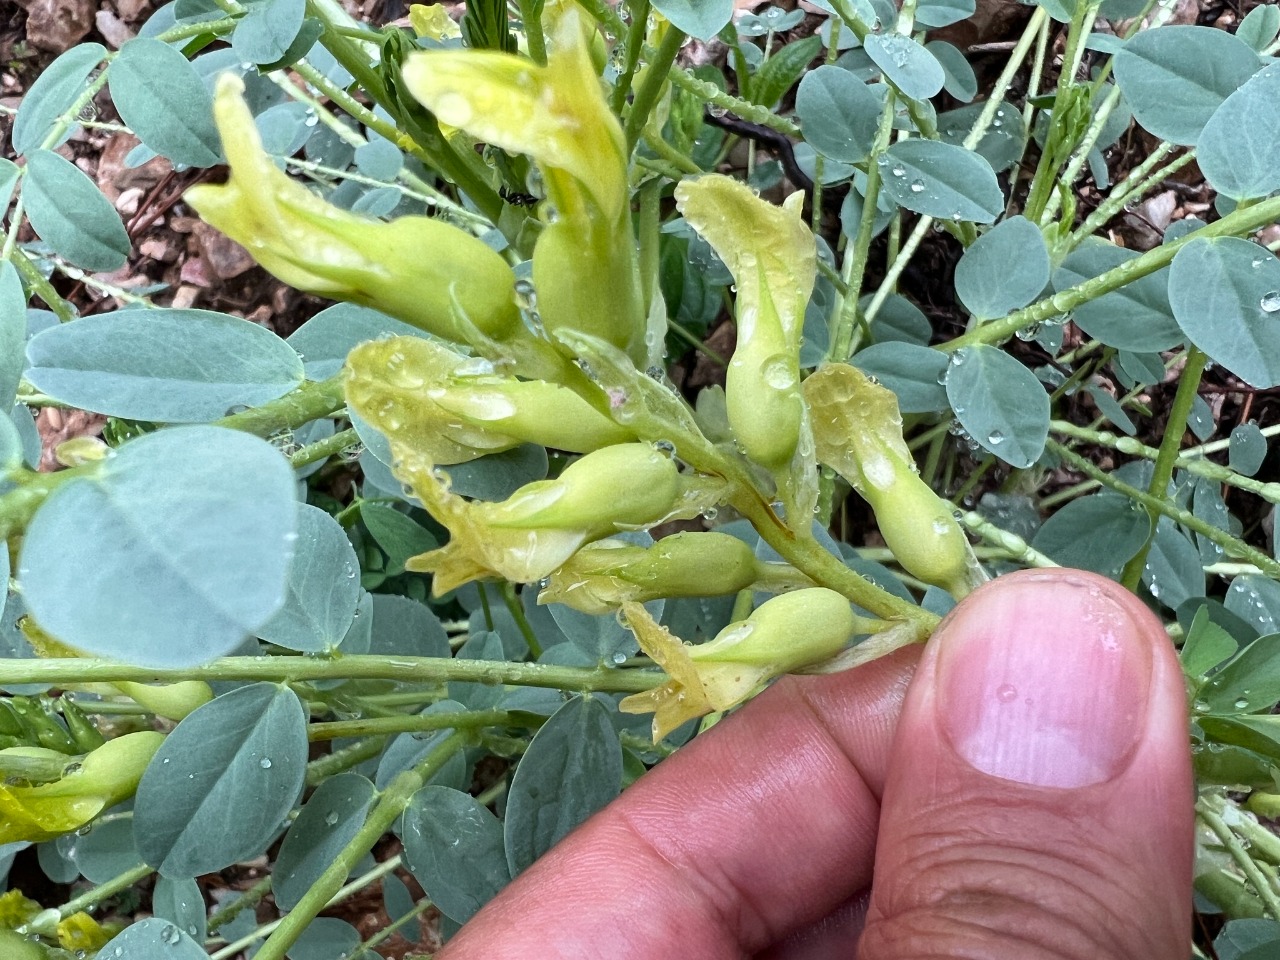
point(104, 778)
point(783, 634)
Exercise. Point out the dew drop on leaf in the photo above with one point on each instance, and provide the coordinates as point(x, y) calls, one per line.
point(1270, 301)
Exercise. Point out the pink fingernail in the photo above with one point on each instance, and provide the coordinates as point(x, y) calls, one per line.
point(1044, 679)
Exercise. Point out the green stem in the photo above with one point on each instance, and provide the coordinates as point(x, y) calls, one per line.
point(512, 600)
point(1012, 545)
point(993, 104)
point(1237, 223)
point(856, 262)
point(41, 287)
point(634, 46)
point(1136, 184)
point(313, 400)
point(1190, 460)
point(531, 15)
point(62, 672)
point(324, 449)
point(95, 895)
point(711, 94)
point(388, 809)
point(1156, 505)
point(655, 77)
point(410, 723)
point(1212, 818)
point(249, 898)
point(345, 758)
point(671, 155)
point(1174, 431)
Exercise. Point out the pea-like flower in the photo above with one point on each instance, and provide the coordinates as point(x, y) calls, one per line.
point(422, 271)
point(444, 409)
point(603, 575)
point(101, 779)
point(525, 537)
point(858, 433)
point(773, 258)
point(584, 266)
point(783, 634)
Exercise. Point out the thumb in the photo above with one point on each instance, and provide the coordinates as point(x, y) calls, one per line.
point(1039, 802)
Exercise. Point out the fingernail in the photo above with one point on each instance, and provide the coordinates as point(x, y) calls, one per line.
point(1044, 679)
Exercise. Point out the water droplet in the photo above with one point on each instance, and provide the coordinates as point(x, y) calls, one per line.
point(331, 818)
point(1201, 706)
point(917, 186)
point(1241, 703)
point(995, 437)
point(170, 934)
point(899, 170)
point(619, 658)
point(1006, 693)
point(265, 763)
point(1270, 301)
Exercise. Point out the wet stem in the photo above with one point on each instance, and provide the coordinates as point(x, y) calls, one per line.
point(390, 805)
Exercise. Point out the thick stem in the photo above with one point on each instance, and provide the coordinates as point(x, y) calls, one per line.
point(63, 672)
point(655, 77)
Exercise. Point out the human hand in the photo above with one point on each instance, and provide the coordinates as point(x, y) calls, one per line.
point(1027, 793)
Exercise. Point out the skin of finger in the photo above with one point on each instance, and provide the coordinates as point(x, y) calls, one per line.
point(757, 828)
point(977, 867)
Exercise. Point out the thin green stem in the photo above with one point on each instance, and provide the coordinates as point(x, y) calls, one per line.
point(1213, 819)
point(1136, 184)
point(631, 54)
point(386, 811)
point(531, 15)
point(324, 449)
point(61, 672)
point(842, 339)
point(1174, 431)
point(1237, 223)
point(671, 155)
point(410, 723)
point(343, 759)
point(655, 77)
point(980, 127)
point(1230, 545)
point(711, 94)
point(512, 600)
point(314, 400)
point(251, 897)
point(41, 287)
point(95, 895)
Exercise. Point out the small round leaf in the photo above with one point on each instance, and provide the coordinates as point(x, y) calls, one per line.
point(1005, 269)
point(941, 180)
point(1225, 294)
point(1000, 403)
point(164, 557)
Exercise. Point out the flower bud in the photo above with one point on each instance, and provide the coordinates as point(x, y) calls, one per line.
point(419, 391)
point(858, 433)
point(102, 779)
point(422, 271)
point(584, 261)
point(787, 632)
point(600, 576)
point(772, 256)
point(541, 525)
